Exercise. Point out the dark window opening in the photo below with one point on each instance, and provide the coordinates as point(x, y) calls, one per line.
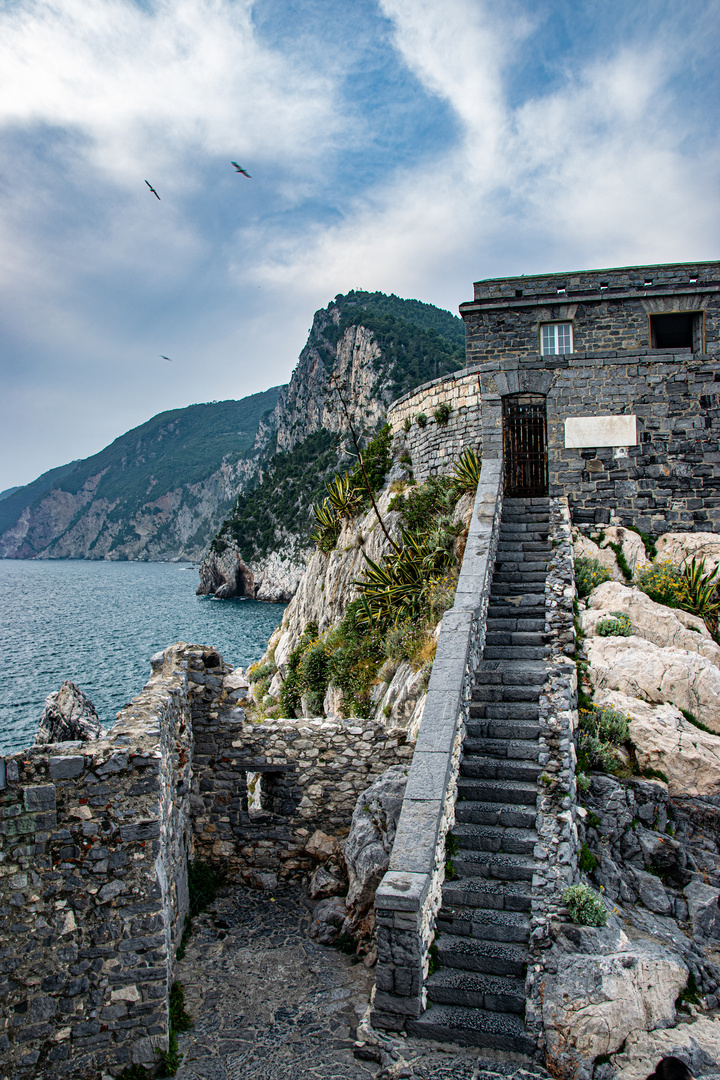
point(677, 330)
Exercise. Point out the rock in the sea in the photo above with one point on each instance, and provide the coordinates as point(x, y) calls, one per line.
point(603, 987)
point(370, 841)
point(642, 670)
point(666, 741)
point(224, 574)
point(663, 626)
point(68, 716)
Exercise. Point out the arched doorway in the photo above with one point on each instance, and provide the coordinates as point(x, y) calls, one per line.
point(525, 445)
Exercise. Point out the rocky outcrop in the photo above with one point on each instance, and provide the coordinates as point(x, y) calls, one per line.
point(68, 716)
point(600, 987)
point(679, 547)
point(224, 575)
point(663, 626)
point(696, 1043)
point(585, 548)
point(664, 740)
point(642, 670)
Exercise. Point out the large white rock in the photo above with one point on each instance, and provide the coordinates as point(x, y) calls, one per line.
point(677, 547)
point(583, 547)
point(642, 670)
point(594, 1002)
point(661, 625)
point(632, 545)
point(665, 740)
point(697, 1043)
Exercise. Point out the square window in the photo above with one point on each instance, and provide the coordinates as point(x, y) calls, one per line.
point(556, 338)
point(677, 330)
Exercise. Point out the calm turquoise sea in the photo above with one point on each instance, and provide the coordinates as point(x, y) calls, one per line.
point(98, 623)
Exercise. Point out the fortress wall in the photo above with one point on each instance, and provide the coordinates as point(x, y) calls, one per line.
point(434, 447)
point(670, 480)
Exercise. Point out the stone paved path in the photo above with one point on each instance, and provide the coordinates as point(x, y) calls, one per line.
point(270, 1004)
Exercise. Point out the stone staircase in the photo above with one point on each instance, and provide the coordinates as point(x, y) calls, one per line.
point(477, 997)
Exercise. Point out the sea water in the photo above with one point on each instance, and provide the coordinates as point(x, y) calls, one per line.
point(98, 624)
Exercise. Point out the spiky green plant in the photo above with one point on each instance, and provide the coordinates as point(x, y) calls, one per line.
point(400, 589)
point(701, 588)
point(326, 535)
point(345, 496)
point(466, 472)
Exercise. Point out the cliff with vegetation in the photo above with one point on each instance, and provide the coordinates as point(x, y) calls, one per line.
point(374, 348)
point(158, 492)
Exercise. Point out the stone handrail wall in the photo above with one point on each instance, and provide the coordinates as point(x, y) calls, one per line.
point(409, 895)
point(556, 825)
point(433, 448)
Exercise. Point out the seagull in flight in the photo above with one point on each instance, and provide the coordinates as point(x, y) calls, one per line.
point(243, 171)
point(166, 358)
point(153, 190)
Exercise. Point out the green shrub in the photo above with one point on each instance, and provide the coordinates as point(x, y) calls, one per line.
point(616, 625)
point(585, 906)
point(466, 472)
point(407, 424)
point(601, 731)
point(588, 574)
point(701, 588)
point(421, 419)
point(664, 583)
point(587, 861)
point(621, 561)
point(442, 414)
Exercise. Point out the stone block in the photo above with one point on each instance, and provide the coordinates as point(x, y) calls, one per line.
point(428, 777)
point(66, 768)
point(39, 798)
point(402, 891)
point(416, 836)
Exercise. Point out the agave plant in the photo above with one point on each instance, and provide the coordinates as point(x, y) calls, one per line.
point(325, 536)
point(701, 589)
point(345, 498)
point(466, 473)
point(400, 589)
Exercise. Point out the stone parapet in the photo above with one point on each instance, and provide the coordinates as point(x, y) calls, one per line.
point(434, 445)
point(409, 895)
point(556, 850)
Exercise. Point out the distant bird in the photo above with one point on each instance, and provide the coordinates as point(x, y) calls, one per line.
point(153, 190)
point(166, 358)
point(243, 171)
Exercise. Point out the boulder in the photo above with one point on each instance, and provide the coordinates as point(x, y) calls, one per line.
point(697, 1044)
point(663, 626)
point(321, 846)
point(370, 841)
point(642, 670)
point(68, 716)
point(632, 545)
point(595, 1000)
point(223, 573)
point(703, 910)
point(680, 546)
point(666, 741)
point(585, 548)
point(323, 883)
point(327, 919)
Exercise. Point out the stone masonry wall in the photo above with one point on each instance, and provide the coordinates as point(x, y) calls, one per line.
point(671, 480)
point(434, 447)
point(93, 891)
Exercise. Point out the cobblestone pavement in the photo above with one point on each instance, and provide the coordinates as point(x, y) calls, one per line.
point(268, 1003)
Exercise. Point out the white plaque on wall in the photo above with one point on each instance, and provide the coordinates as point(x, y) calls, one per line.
point(600, 431)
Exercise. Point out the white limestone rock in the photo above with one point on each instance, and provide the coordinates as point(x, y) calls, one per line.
point(697, 1043)
point(661, 625)
point(371, 837)
point(605, 988)
point(69, 715)
point(666, 741)
point(583, 547)
point(642, 670)
point(681, 546)
point(632, 545)
point(398, 704)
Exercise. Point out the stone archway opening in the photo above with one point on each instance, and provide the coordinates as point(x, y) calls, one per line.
point(525, 445)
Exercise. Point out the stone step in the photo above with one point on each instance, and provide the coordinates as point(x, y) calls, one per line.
point(500, 692)
point(519, 792)
point(520, 673)
point(496, 838)
point(528, 530)
point(542, 547)
point(496, 768)
point(521, 566)
point(485, 894)
point(493, 728)
point(502, 590)
point(515, 652)
point(512, 749)
point(485, 924)
point(494, 864)
point(471, 954)
point(513, 607)
point(514, 637)
point(509, 710)
point(504, 575)
point(508, 815)
point(495, 993)
point(513, 623)
point(472, 1027)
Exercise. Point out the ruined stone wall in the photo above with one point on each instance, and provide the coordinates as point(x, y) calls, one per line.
point(434, 447)
point(671, 480)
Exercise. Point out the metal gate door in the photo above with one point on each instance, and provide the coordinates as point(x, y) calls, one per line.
point(525, 445)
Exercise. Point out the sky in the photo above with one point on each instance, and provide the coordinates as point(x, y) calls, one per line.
point(410, 146)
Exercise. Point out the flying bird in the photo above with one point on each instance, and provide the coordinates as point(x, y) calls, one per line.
point(166, 358)
point(243, 171)
point(153, 190)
